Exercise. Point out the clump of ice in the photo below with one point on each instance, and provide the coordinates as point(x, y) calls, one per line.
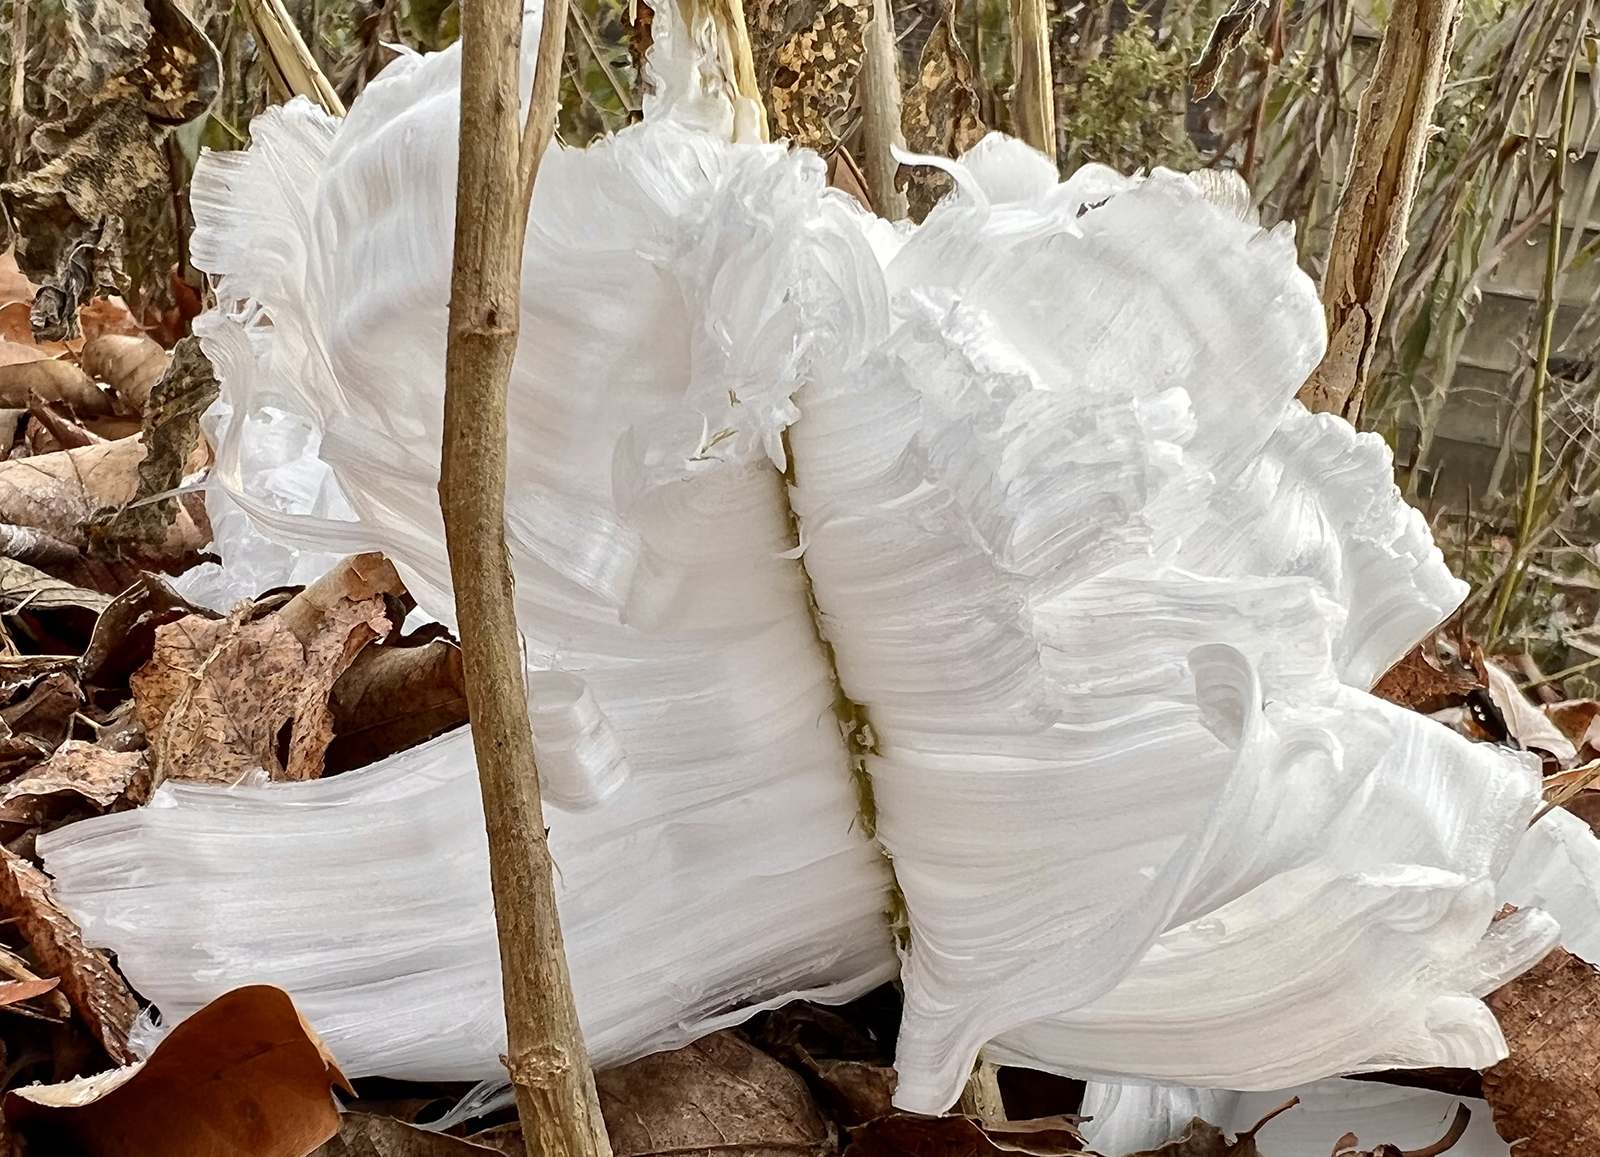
point(1100, 601)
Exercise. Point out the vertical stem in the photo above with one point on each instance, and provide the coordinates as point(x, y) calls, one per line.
point(19, 72)
point(1512, 579)
point(1033, 107)
point(546, 1056)
point(880, 113)
point(1369, 231)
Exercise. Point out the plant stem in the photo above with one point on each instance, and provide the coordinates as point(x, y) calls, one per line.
point(19, 72)
point(1033, 93)
point(1369, 230)
point(880, 112)
point(1512, 579)
point(546, 1055)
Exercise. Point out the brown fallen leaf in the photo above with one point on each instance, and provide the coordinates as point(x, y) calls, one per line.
point(77, 768)
point(44, 713)
point(219, 696)
point(124, 635)
point(14, 284)
point(1203, 1139)
point(1545, 1094)
point(1425, 681)
point(16, 991)
point(1579, 721)
point(107, 315)
point(394, 697)
point(53, 382)
point(130, 365)
point(24, 586)
point(719, 1095)
point(59, 492)
point(170, 409)
point(55, 1004)
point(953, 1135)
point(850, 1073)
point(367, 1135)
point(93, 988)
point(245, 1076)
point(1347, 1146)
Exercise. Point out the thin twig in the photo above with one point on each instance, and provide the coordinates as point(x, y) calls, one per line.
point(1547, 325)
point(19, 73)
point(546, 1056)
point(1564, 673)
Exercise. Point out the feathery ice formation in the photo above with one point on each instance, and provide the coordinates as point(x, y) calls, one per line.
point(1013, 511)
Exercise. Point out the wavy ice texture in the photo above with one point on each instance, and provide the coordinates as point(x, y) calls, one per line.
point(1129, 1118)
point(1109, 598)
point(676, 287)
point(1556, 868)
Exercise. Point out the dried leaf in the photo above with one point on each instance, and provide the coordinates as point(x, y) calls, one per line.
point(1525, 722)
point(1203, 1139)
point(16, 991)
point(14, 284)
point(124, 636)
point(45, 713)
point(393, 698)
point(244, 1076)
point(78, 768)
point(171, 429)
point(807, 54)
point(219, 695)
point(1579, 721)
point(130, 365)
point(366, 1135)
point(90, 984)
point(1545, 1095)
point(958, 1136)
point(54, 383)
point(941, 115)
point(1419, 684)
point(57, 493)
point(719, 1095)
point(1227, 34)
point(850, 1073)
point(24, 586)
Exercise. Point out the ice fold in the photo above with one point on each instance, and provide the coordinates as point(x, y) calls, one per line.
point(1106, 598)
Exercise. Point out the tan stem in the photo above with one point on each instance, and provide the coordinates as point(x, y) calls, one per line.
point(288, 61)
point(19, 72)
point(1033, 107)
point(1548, 304)
point(1369, 230)
point(546, 1055)
point(880, 113)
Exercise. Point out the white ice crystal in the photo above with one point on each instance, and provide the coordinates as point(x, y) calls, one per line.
point(1022, 493)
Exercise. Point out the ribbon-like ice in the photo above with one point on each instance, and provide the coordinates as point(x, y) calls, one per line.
point(982, 575)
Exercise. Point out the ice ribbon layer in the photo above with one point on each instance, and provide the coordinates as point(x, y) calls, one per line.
point(1105, 596)
point(1131, 1118)
point(679, 691)
point(1110, 599)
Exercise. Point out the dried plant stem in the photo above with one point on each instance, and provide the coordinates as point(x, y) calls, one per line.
point(1369, 231)
point(1512, 578)
point(1033, 105)
point(546, 1056)
point(19, 74)
point(880, 113)
point(290, 66)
